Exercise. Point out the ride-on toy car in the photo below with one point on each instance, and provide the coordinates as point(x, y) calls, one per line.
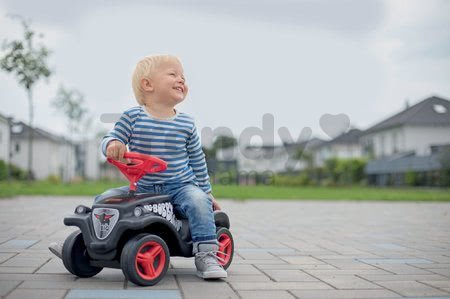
point(137, 232)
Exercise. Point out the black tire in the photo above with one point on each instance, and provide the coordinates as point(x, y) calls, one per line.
point(75, 256)
point(145, 271)
point(224, 235)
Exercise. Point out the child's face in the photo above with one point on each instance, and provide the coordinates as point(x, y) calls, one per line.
point(168, 82)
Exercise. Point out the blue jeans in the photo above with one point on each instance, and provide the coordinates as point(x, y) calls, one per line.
point(190, 202)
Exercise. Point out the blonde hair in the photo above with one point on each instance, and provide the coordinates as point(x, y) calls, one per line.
point(144, 69)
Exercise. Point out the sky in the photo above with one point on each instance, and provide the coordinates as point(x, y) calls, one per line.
point(296, 61)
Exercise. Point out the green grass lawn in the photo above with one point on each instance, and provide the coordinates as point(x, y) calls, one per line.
point(240, 192)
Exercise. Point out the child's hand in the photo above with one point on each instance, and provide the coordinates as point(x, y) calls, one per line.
point(215, 204)
point(115, 150)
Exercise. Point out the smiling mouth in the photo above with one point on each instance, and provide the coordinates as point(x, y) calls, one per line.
point(179, 89)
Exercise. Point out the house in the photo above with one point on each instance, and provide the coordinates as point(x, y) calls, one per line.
point(409, 147)
point(4, 138)
point(268, 158)
point(89, 158)
point(51, 154)
point(410, 169)
point(344, 146)
point(415, 129)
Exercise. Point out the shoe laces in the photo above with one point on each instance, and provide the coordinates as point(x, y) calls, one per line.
point(213, 254)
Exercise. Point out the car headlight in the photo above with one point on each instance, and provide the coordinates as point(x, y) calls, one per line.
point(80, 210)
point(137, 211)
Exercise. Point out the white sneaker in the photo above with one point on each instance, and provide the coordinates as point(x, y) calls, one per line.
point(56, 249)
point(206, 262)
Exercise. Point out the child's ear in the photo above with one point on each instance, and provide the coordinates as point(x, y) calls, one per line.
point(146, 84)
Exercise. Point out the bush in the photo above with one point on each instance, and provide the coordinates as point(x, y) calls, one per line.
point(3, 170)
point(301, 179)
point(16, 172)
point(411, 178)
point(54, 179)
point(345, 171)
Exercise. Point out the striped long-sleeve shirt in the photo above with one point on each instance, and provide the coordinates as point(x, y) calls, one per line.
point(174, 140)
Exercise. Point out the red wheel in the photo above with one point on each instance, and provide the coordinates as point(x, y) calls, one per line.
point(150, 260)
point(145, 260)
point(226, 247)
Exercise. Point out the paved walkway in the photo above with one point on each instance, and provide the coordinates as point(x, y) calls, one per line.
point(284, 249)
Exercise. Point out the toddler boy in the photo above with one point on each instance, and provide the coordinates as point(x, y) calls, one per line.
point(156, 128)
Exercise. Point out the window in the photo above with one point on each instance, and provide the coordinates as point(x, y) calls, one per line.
point(440, 109)
point(17, 147)
point(394, 142)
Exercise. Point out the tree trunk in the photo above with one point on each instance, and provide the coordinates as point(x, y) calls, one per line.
point(30, 135)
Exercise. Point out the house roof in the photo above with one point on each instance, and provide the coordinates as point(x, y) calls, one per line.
point(23, 129)
point(422, 113)
point(350, 137)
point(3, 117)
point(310, 144)
point(406, 162)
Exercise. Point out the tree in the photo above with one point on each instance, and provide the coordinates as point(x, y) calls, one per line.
point(70, 103)
point(223, 142)
point(28, 62)
point(220, 142)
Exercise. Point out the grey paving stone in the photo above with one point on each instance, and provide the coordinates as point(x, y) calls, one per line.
point(281, 250)
point(5, 256)
point(14, 276)
point(411, 288)
point(275, 261)
point(257, 255)
point(343, 257)
point(395, 261)
point(302, 260)
point(17, 269)
point(114, 275)
point(432, 266)
point(125, 294)
point(76, 284)
point(207, 289)
point(291, 266)
point(19, 261)
point(249, 278)
point(54, 266)
point(181, 271)
point(18, 244)
point(403, 277)
point(168, 282)
point(265, 295)
point(341, 244)
point(404, 269)
point(309, 285)
point(444, 271)
point(391, 246)
point(7, 286)
point(349, 264)
point(339, 272)
point(344, 294)
point(179, 262)
point(289, 275)
point(442, 284)
point(243, 270)
point(36, 294)
point(349, 282)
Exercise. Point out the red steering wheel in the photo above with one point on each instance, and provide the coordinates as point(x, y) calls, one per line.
point(139, 166)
